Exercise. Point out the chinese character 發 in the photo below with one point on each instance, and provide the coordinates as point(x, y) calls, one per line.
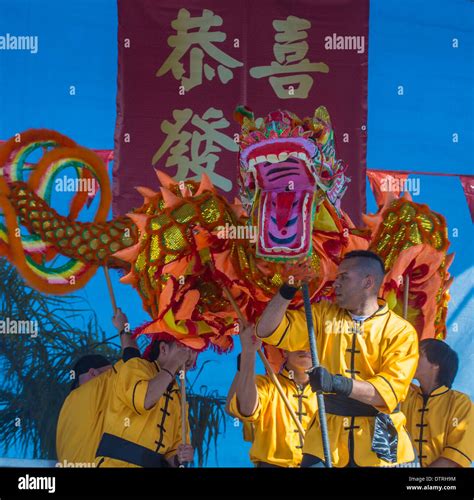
point(195, 151)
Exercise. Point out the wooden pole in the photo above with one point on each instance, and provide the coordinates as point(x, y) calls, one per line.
point(111, 290)
point(182, 376)
point(267, 365)
point(183, 369)
point(406, 289)
point(183, 403)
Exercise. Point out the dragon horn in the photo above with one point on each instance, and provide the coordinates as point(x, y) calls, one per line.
point(449, 260)
point(139, 220)
point(165, 180)
point(170, 199)
point(206, 185)
point(129, 279)
point(129, 254)
point(147, 193)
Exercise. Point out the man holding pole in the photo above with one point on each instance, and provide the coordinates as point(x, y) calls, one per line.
point(143, 423)
point(254, 399)
point(368, 358)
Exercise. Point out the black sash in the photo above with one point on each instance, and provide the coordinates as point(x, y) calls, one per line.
point(121, 449)
point(345, 407)
point(384, 438)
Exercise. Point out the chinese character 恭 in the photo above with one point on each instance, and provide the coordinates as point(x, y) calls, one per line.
point(202, 41)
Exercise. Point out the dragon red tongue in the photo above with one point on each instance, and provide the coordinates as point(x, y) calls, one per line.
point(285, 224)
point(284, 203)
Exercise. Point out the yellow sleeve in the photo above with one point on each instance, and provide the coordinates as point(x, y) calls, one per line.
point(132, 384)
point(116, 367)
point(459, 445)
point(292, 333)
point(264, 392)
point(399, 361)
point(406, 404)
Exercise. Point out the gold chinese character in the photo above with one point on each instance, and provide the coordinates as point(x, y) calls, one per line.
point(204, 39)
point(290, 50)
point(196, 151)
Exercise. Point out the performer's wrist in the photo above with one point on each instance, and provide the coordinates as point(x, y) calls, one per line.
point(168, 372)
point(342, 385)
point(288, 291)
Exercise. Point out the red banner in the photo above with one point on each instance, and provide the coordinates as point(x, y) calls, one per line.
point(183, 68)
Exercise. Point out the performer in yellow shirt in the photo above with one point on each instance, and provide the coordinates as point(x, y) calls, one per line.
point(80, 422)
point(439, 419)
point(368, 357)
point(276, 441)
point(142, 426)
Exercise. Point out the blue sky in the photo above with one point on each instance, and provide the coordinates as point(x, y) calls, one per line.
point(410, 46)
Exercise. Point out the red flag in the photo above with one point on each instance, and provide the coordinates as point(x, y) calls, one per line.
point(467, 182)
point(383, 183)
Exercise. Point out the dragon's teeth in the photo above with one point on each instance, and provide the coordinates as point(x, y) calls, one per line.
point(251, 162)
point(272, 158)
point(283, 156)
point(260, 159)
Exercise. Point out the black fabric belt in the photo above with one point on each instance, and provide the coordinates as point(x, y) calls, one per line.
point(266, 465)
point(384, 437)
point(346, 407)
point(121, 449)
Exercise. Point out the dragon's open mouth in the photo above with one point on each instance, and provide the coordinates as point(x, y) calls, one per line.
point(286, 189)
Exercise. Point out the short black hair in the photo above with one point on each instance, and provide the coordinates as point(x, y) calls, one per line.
point(153, 350)
point(85, 363)
point(439, 353)
point(366, 254)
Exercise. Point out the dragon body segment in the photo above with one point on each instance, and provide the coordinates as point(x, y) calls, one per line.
point(172, 249)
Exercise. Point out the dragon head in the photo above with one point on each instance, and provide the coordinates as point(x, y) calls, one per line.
point(287, 168)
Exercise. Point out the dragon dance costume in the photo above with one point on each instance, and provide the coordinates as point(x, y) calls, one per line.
point(291, 185)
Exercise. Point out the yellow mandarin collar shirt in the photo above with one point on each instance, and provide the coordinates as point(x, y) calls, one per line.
point(159, 428)
point(276, 439)
point(382, 350)
point(441, 424)
point(81, 420)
